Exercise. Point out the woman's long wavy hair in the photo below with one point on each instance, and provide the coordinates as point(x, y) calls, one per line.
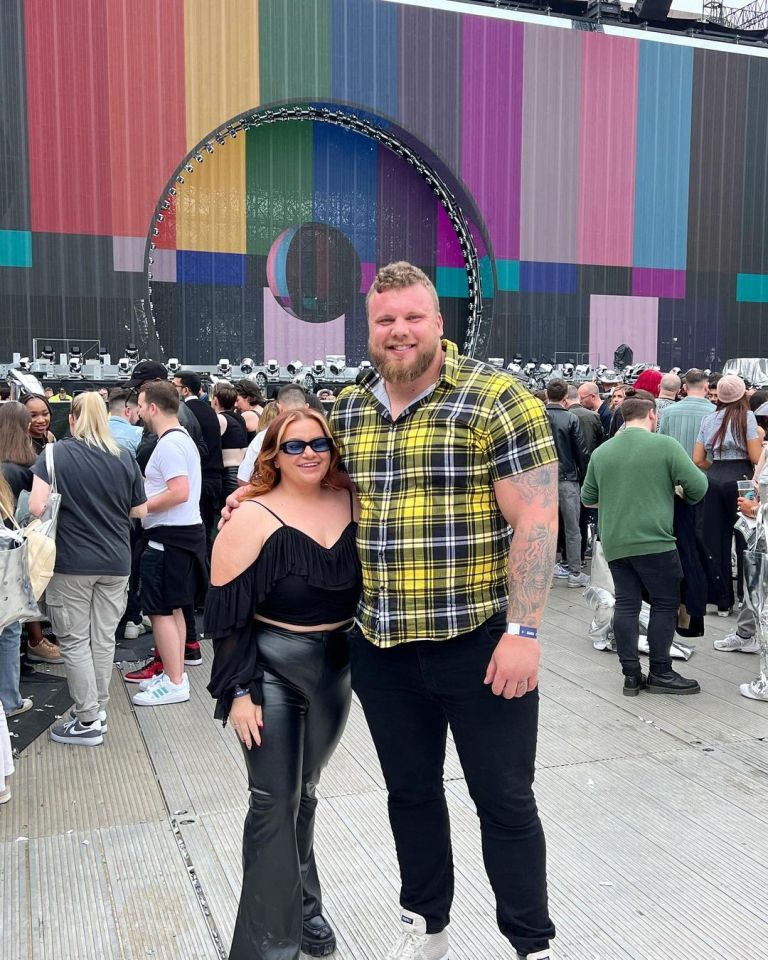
point(6, 497)
point(91, 424)
point(15, 441)
point(735, 417)
point(266, 475)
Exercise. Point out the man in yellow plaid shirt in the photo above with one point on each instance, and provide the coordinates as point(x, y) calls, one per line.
point(447, 455)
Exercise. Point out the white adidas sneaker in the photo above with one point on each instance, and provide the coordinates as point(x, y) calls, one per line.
point(162, 692)
point(415, 943)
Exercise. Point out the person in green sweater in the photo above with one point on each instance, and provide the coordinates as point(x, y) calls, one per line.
point(632, 479)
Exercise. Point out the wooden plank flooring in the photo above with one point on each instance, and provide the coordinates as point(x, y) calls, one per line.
point(654, 807)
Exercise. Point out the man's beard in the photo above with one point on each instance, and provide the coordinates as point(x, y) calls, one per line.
point(394, 372)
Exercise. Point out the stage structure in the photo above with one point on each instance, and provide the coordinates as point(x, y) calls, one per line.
point(569, 184)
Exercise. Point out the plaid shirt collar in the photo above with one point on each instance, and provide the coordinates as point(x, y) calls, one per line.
point(374, 383)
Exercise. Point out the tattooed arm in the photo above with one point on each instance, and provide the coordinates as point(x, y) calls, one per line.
point(528, 502)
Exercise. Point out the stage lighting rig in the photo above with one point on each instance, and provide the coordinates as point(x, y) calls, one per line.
point(48, 353)
point(273, 368)
point(174, 365)
point(224, 367)
point(246, 366)
point(132, 352)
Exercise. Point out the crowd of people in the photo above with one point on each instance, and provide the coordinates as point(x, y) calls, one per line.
point(371, 550)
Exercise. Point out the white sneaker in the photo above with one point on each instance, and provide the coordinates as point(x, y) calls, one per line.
point(163, 692)
point(102, 718)
point(146, 684)
point(734, 642)
point(134, 630)
point(415, 943)
point(539, 955)
point(561, 572)
point(578, 581)
point(755, 690)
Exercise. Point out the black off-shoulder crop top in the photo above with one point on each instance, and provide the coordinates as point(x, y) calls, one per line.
point(294, 580)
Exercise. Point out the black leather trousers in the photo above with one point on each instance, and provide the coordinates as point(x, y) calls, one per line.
point(306, 700)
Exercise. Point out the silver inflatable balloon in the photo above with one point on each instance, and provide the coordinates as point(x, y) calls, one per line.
point(756, 594)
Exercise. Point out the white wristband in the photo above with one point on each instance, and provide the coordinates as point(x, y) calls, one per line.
point(520, 630)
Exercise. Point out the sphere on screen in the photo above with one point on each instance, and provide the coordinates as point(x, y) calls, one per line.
point(314, 273)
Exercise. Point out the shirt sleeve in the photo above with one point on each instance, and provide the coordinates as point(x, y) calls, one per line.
point(138, 496)
point(245, 470)
point(752, 433)
point(590, 493)
point(171, 461)
point(39, 468)
point(519, 435)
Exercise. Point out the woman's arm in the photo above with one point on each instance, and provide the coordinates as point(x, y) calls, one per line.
point(700, 456)
point(755, 449)
point(39, 496)
point(238, 543)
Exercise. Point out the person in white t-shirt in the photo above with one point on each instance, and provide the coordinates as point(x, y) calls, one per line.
point(175, 540)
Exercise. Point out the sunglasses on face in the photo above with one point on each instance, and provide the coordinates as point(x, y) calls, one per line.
point(296, 447)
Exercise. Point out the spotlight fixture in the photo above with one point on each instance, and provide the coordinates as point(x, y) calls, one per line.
point(224, 367)
point(582, 370)
point(75, 351)
point(48, 353)
point(173, 365)
point(319, 367)
point(132, 352)
point(294, 367)
point(365, 364)
point(273, 367)
point(124, 367)
point(568, 369)
point(246, 366)
point(336, 363)
point(24, 364)
point(75, 366)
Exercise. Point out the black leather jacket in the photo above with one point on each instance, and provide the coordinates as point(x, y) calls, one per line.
point(569, 442)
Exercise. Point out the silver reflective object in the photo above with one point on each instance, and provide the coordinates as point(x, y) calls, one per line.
point(756, 598)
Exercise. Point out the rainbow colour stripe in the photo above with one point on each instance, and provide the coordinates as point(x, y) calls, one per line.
point(620, 180)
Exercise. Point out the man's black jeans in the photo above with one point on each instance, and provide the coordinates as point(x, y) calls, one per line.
point(660, 574)
point(410, 694)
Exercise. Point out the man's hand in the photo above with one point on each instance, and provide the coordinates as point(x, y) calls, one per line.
point(514, 667)
point(232, 503)
point(748, 508)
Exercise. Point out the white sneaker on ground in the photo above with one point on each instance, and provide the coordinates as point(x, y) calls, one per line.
point(415, 943)
point(734, 642)
point(755, 690)
point(561, 572)
point(578, 581)
point(163, 692)
point(539, 955)
point(146, 684)
point(134, 630)
point(5, 795)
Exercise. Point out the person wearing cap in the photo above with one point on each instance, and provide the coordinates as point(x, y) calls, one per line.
point(728, 447)
point(143, 372)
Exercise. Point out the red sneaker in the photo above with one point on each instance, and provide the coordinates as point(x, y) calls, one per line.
point(192, 655)
point(150, 669)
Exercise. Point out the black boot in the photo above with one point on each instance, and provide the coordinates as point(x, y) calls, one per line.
point(633, 685)
point(317, 937)
point(671, 682)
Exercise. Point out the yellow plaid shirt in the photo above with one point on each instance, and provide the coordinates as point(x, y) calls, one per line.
point(432, 541)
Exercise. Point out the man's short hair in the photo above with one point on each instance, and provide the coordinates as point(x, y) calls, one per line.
point(399, 276)
point(670, 383)
point(556, 390)
point(191, 380)
point(291, 395)
point(715, 378)
point(118, 397)
point(636, 408)
point(162, 393)
point(572, 392)
point(695, 377)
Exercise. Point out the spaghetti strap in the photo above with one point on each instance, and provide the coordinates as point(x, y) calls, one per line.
point(259, 504)
point(351, 504)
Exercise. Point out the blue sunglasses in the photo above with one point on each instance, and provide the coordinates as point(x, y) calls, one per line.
point(296, 447)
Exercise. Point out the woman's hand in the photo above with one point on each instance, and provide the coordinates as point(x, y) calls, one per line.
point(245, 718)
